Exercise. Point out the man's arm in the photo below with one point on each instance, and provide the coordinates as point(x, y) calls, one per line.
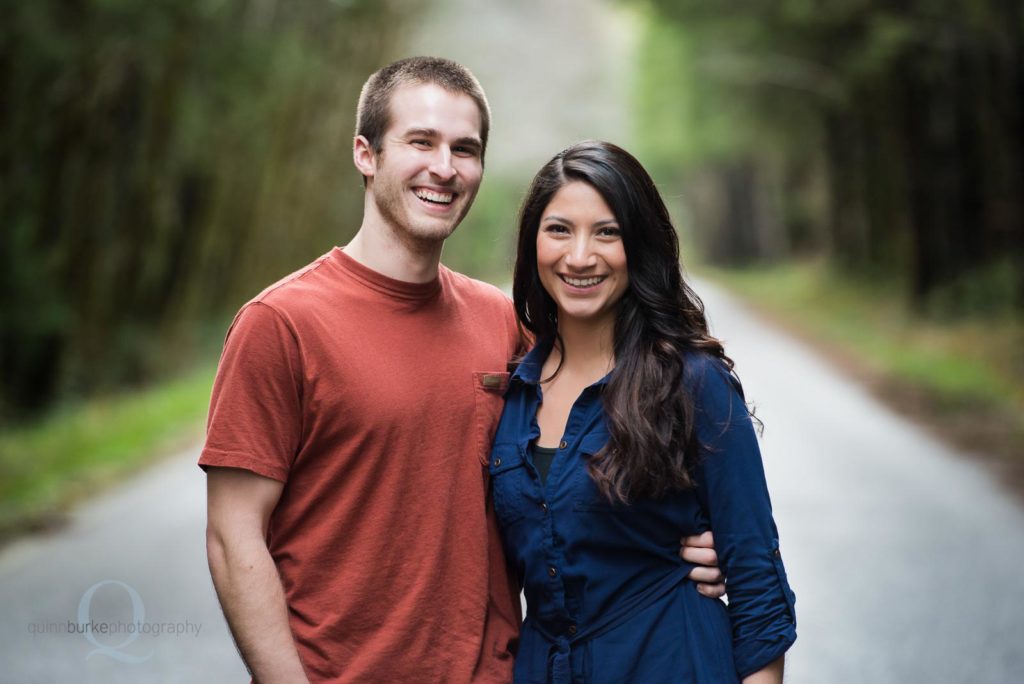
point(239, 504)
point(700, 549)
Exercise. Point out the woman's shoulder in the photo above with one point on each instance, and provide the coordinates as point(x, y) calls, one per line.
point(698, 363)
point(705, 373)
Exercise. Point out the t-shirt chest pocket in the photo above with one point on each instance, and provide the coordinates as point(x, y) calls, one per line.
point(489, 399)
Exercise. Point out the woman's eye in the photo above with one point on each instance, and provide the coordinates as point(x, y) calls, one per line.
point(610, 232)
point(555, 228)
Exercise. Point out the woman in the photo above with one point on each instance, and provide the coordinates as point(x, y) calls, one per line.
point(623, 427)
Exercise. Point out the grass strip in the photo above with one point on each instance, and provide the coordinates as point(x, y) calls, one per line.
point(964, 375)
point(57, 460)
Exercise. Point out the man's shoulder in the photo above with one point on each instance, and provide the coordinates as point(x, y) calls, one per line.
point(475, 291)
point(290, 300)
point(290, 290)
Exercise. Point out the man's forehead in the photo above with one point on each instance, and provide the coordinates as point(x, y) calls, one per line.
point(429, 107)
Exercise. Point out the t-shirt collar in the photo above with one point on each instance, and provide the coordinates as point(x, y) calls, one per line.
point(386, 285)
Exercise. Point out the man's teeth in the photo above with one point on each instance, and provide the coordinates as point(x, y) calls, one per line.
point(431, 196)
point(583, 282)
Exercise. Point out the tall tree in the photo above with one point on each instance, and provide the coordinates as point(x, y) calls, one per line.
point(158, 162)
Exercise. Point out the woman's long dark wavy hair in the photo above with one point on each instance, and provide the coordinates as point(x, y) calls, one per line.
point(650, 415)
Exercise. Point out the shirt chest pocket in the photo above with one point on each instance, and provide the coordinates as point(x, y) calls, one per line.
point(508, 475)
point(587, 497)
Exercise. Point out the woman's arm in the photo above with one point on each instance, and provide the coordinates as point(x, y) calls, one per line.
point(769, 675)
point(732, 488)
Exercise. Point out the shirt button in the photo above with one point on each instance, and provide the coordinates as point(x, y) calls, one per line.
point(497, 462)
point(777, 553)
point(552, 572)
point(544, 506)
point(572, 630)
point(563, 444)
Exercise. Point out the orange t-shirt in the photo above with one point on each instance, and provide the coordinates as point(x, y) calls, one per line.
point(375, 401)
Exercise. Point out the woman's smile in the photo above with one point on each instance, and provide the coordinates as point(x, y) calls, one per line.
point(580, 257)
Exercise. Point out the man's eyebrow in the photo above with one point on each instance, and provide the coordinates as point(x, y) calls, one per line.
point(421, 132)
point(470, 140)
point(434, 133)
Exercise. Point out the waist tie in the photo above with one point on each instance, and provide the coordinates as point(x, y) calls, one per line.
point(559, 664)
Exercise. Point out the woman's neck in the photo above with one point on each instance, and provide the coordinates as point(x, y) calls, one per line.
point(588, 348)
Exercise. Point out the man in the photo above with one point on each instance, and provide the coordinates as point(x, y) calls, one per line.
point(349, 533)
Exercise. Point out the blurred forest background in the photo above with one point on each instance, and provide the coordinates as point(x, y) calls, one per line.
point(856, 167)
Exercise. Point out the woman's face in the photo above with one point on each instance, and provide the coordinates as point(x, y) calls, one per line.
point(580, 257)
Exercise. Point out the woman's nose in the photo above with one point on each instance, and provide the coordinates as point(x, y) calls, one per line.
point(581, 255)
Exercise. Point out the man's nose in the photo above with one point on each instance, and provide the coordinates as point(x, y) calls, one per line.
point(441, 165)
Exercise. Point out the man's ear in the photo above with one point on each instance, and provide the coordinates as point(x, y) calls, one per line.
point(364, 157)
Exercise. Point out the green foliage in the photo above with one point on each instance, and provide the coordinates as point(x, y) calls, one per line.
point(49, 464)
point(987, 291)
point(663, 98)
point(976, 361)
point(483, 242)
point(160, 162)
point(884, 137)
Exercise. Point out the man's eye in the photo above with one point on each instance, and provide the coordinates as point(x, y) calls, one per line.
point(464, 151)
point(421, 143)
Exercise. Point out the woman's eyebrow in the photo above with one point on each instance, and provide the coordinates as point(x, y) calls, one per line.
point(602, 222)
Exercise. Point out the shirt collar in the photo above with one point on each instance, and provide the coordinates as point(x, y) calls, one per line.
point(529, 369)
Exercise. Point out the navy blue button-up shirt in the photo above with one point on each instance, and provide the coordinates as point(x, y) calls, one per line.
point(607, 594)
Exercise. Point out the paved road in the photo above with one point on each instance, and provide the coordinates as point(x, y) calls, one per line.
point(148, 535)
point(905, 557)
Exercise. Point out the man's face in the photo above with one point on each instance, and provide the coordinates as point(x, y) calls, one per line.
point(429, 169)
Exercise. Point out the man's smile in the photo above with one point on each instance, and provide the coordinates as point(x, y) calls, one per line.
point(434, 196)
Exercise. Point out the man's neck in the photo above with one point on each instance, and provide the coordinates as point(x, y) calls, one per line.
point(377, 247)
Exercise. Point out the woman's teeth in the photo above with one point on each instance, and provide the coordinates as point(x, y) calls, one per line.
point(583, 282)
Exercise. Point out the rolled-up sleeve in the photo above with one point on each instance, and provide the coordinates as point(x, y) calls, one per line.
point(733, 490)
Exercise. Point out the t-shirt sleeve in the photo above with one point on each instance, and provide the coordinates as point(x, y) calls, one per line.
point(731, 482)
point(501, 629)
point(518, 343)
point(255, 419)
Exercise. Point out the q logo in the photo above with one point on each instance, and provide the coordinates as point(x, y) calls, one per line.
point(138, 615)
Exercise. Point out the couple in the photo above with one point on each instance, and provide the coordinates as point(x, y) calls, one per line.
point(380, 486)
